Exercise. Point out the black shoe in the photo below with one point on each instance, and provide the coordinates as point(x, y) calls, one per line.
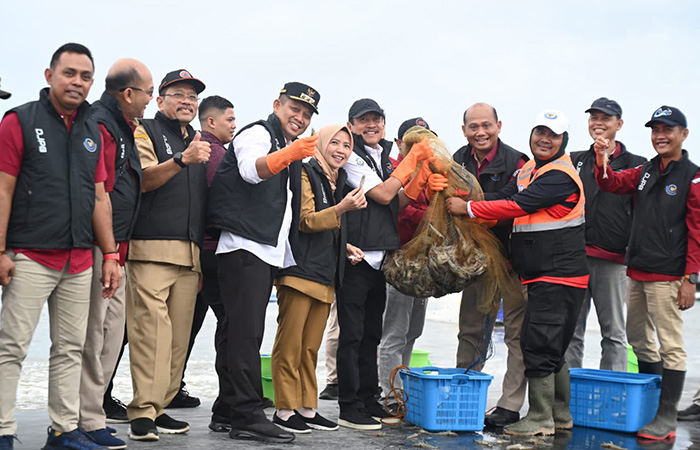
point(330, 392)
point(267, 403)
point(143, 429)
point(295, 423)
point(358, 420)
point(263, 431)
point(168, 425)
point(691, 413)
point(501, 417)
point(183, 399)
point(219, 424)
point(380, 414)
point(318, 422)
point(115, 411)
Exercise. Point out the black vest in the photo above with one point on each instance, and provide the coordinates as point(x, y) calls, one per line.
point(177, 209)
point(494, 177)
point(659, 239)
point(375, 227)
point(255, 211)
point(321, 255)
point(126, 194)
point(55, 192)
point(608, 215)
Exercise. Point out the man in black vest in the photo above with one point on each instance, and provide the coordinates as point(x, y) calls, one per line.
point(374, 230)
point(494, 164)
point(252, 204)
point(47, 220)
point(608, 222)
point(663, 257)
point(128, 90)
point(163, 269)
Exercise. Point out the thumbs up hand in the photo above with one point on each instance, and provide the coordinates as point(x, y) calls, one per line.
point(197, 152)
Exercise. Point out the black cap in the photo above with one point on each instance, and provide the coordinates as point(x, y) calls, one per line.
point(303, 93)
point(415, 122)
point(607, 106)
point(363, 106)
point(4, 94)
point(179, 75)
point(668, 115)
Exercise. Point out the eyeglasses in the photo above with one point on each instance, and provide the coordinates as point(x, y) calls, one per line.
point(148, 92)
point(179, 96)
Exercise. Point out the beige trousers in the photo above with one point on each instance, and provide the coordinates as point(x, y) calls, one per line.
point(332, 333)
point(103, 341)
point(68, 298)
point(160, 302)
point(300, 326)
point(652, 314)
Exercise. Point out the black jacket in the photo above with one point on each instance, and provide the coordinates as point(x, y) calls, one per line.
point(126, 194)
point(494, 177)
point(254, 211)
point(659, 239)
point(376, 226)
point(55, 192)
point(321, 255)
point(608, 215)
point(177, 209)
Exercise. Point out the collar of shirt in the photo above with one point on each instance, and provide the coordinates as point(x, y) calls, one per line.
point(487, 159)
point(616, 152)
point(71, 117)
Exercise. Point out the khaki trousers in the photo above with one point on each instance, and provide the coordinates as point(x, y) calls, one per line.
point(473, 341)
point(160, 302)
point(652, 314)
point(103, 341)
point(68, 298)
point(300, 325)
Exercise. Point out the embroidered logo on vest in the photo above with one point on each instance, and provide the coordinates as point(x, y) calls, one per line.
point(123, 147)
point(40, 140)
point(90, 145)
point(578, 167)
point(671, 189)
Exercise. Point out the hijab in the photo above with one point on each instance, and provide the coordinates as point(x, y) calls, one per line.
point(325, 135)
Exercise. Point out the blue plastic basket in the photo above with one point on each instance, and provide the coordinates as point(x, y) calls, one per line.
point(445, 399)
point(611, 400)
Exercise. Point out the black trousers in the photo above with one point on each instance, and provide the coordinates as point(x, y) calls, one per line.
point(549, 324)
point(246, 283)
point(361, 302)
point(210, 297)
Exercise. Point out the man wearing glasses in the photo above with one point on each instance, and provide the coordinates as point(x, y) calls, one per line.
point(128, 90)
point(163, 265)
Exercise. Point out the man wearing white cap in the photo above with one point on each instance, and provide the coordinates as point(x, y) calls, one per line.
point(546, 201)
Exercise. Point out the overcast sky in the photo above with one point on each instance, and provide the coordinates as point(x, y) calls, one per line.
point(431, 59)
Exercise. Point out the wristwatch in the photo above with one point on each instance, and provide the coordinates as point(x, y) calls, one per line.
point(177, 157)
point(692, 278)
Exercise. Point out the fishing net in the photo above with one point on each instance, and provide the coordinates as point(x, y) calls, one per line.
point(447, 252)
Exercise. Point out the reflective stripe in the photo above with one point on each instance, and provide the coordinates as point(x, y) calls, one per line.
point(546, 226)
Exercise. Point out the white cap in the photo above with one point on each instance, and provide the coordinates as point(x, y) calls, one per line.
point(552, 119)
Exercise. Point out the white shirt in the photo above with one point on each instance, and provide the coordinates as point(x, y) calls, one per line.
point(250, 145)
point(356, 167)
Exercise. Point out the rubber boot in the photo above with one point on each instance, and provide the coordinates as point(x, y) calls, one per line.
point(663, 427)
point(562, 397)
point(653, 368)
point(539, 419)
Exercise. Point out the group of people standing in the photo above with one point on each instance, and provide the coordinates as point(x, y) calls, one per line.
point(114, 219)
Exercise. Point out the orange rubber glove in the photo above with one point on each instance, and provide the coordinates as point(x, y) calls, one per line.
point(419, 152)
point(416, 185)
point(296, 151)
point(436, 182)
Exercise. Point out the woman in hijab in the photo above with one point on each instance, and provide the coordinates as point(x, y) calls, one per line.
point(306, 291)
point(546, 201)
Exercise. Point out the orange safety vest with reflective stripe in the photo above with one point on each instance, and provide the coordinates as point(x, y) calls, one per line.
point(548, 248)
